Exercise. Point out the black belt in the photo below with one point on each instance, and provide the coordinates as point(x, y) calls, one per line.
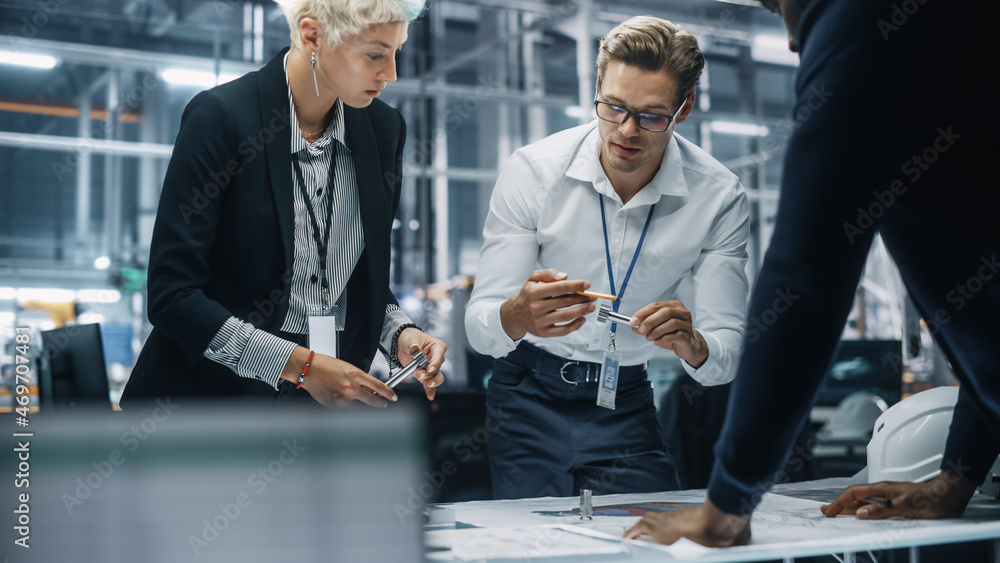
point(573, 372)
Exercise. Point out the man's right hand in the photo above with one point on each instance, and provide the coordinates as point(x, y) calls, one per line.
point(334, 382)
point(545, 300)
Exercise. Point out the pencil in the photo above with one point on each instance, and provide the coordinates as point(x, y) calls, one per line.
point(594, 294)
point(597, 295)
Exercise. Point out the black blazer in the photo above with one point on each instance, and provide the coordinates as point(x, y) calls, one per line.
point(222, 242)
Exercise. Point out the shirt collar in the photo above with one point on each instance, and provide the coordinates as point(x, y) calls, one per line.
point(335, 130)
point(669, 180)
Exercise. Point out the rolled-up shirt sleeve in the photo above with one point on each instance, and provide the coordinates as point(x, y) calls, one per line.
point(250, 352)
point(395, 317)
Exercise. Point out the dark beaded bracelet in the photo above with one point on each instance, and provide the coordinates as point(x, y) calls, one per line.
point(393, 358)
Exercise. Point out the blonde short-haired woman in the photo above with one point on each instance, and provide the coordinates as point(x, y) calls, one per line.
point(277, 207)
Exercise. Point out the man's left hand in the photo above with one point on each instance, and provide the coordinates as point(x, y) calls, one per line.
point(412, 339)
point(703, 524)
point(944, 496)
point(669, 325)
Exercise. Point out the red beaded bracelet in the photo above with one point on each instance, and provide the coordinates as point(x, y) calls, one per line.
point(305, 369)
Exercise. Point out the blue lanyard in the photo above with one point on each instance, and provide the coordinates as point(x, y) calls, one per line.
point(607, 252)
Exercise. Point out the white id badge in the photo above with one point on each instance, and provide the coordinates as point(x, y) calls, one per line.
point(325, 324)
point(609, 376)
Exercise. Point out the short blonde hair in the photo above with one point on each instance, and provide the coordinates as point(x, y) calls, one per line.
point(653, 44)
point(343, 18)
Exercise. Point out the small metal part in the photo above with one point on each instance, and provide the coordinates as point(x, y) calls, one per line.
point(439, 517)
point(586, 505)
point(605, 313)
point(419, 361)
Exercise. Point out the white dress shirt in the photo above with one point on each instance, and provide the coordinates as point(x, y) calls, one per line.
point(545, 213)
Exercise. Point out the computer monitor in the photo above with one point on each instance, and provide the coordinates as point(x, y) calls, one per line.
point(73, 372)
point(875, 366)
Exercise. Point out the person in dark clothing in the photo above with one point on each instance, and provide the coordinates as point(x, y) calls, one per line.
point(892, 136)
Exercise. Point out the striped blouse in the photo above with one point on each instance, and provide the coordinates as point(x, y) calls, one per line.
point(257, 354)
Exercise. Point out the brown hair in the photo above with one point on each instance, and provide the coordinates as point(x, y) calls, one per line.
point(653, 44)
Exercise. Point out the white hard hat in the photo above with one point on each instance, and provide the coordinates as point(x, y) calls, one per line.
point(909, 438)
point(855, 417)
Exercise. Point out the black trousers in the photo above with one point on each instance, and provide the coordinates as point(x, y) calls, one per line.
point(551, 438)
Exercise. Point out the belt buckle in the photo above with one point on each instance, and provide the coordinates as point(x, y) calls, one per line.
point(562, 372)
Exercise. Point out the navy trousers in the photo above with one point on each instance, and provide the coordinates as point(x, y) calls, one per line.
point(553, 439)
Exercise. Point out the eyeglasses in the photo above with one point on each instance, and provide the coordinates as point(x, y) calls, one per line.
point(654, 122)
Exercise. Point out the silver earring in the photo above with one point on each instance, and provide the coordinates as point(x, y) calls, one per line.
point(316, 82)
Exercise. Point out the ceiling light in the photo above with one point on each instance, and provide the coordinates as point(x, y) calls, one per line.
point(23, 59)
point(98, 296)
point(185, 77)
point(48, 295)
point(769, 48)
point(736, 128)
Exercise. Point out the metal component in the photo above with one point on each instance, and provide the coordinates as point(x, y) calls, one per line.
point(586, 505)
point(83, 178)
point(62, 143)
point(589, 377)
point(562, 372)
point(419, 361)
point(605, 313)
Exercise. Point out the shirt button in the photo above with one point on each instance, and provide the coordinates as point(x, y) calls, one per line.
point(312, 278)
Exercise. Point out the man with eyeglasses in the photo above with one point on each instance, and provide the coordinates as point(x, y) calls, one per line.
point(624, 207)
